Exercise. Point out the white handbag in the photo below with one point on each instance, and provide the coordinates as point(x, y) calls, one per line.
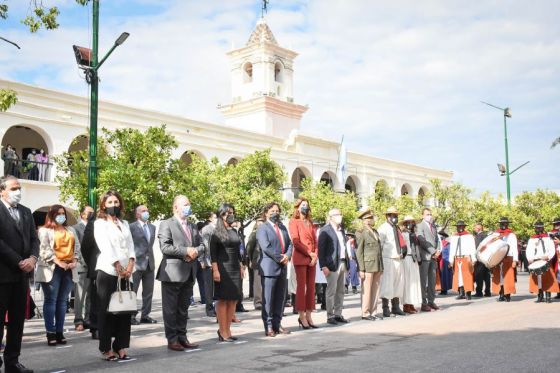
point(122, 301)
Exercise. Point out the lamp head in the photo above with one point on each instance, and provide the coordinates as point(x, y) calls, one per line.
point(83, 55)
point(502, 169)
point(121, 39)
point(507, 112)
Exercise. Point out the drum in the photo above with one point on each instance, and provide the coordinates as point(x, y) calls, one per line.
point(492, 251)
point(538, 267)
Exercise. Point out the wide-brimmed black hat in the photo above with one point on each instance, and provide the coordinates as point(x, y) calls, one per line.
point(504, 219)
point(539, 224)
point(443, 234)
point(460, 223)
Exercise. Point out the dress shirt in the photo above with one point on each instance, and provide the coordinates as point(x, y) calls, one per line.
point(9, 207)
point(341, 244)
point(282, 244)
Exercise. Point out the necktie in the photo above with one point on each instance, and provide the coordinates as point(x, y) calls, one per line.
point(13, 212)
point(147, 232)
point(187, 231)
point(459, 247)
point(279, 237)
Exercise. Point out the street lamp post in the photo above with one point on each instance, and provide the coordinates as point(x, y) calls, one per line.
point(88, 60)
point(507, 173)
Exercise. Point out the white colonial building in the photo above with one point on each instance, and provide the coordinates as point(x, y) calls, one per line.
point(262, 114)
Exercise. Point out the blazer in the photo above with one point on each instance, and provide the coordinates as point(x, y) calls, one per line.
point(368, 253)
point(143, 248)
point(79, 229)
point(428, 239)
point(412, 244)
point(45, 264)
point(114, 245)
point(304, 240)
point(18, 241)
point(253, 250)
point(329, 248)
point(271, 249)
point(173, 243)
point(204, 254)
point(89, 249)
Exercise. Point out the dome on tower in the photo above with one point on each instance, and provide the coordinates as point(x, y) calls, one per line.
point(261, 33)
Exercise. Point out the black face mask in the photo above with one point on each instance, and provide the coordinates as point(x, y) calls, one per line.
point(503, 226)
point(394, 220)
point(275, 218)
point(410, 227)
point(460, 229)
point(90, 216)
point(113, 211)
point(539, 230)
point(230, 219)
point(304, 210)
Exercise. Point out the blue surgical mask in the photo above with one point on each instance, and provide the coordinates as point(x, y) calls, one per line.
point(145, 216)
point(60, 219)
point(186, 211)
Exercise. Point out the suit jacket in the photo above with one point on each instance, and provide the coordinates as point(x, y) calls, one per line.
point(271, 249)
point(329, 248)
point(428, 239)
point(46, 265)
point(368, 253)
point(143, 248)
point(304, 239)
point(173, 243)
point(89, 249)
point(18, 241)
point(204, 255)
point(79, 231)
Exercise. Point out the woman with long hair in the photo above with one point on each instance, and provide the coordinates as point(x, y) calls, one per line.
point(59, 252)
point(227, 270)
point(304, 240)
point(115, 263)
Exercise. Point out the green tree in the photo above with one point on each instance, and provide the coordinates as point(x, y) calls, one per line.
point(487, 210)
point(322, 199)
point(451, 203)
point(380, 200)
point(136, 164)
point(39, 16)
point(529, 207)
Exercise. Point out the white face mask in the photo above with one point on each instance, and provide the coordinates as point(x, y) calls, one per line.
point(337, 219)
point(14, 196)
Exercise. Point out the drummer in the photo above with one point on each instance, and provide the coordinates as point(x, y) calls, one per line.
point(462, 256)
point(541, 248)
point(503, 275)
point(555, 232)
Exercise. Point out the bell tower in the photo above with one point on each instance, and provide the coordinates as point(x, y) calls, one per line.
point(262, 86)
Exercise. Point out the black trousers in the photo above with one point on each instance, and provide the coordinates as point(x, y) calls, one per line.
point(93, 304)
point(481, 277)
point(208, 288)
point(13, 299)
point(251, 282)
point(201, 284)
point(175, 301)
point(108, 324)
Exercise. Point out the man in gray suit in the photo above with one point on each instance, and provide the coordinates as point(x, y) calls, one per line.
point(143, 235)
point(430, 250)
point(180, 243)
point(81, 288)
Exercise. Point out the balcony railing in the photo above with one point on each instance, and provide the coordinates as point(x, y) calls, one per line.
point(30, 170)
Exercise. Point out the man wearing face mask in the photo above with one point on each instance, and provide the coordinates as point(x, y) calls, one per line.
point(143, 236)
point(180, 244)
point(541, 247)
point(462, 256)
point(206, 263)
point(430, 250)
point(393, 246)
point(19, 250)
point(81, 288)
point(481, 273)
point(412, 293)
point(276, 252)
point(503, 275)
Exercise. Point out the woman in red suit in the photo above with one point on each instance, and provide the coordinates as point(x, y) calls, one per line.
point(304, 257)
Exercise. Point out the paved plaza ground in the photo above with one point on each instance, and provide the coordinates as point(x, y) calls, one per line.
point(479, 335)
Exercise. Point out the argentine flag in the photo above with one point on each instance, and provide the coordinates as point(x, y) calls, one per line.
point(341, 171)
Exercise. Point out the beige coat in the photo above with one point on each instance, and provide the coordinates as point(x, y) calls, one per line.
point(368, 252)
point(46, 265)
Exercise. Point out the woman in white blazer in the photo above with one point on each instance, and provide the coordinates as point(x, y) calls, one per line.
point(59, 253)
point(114, 263)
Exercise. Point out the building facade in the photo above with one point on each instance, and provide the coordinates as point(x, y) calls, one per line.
point(262, 114)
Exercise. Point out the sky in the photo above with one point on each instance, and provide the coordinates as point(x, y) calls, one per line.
point(401, 80)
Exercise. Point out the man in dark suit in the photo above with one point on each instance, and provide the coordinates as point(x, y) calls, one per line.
point(430, 250)
point(333, 260)
point(276, 251)
point(81, 288)
point(481, 273)
point(144, 234)
point(180, 243)
point(90, 252)
point(19, 250)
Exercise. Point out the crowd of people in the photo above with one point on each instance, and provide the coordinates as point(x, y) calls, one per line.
point(401, 264)
point(34, 166)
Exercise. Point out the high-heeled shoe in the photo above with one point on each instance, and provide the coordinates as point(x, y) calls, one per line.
point(311, 325)
point(222, 339)
point(305, 327)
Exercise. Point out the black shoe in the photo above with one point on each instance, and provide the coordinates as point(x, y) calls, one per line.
point(304, 327)
point(17, 368)
point(341, 319)
point(323, 306)
point(540, 297)
point(557, 296)
point(241, 309)
point(469, 297)
point(51, 339)
point(211, 313)
point(487, 295)
point(147, 320)
point(443, 292)
point(548, 297)
point(60, 339)
point(395, 309)
point(369, 318)
point(134, 321)
point(460, 296)
point(95, 334)
point(332, 321)
point(258, 308)
point(508, 297)
point(477, 295)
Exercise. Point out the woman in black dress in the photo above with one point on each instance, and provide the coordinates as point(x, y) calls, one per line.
point(227, 270)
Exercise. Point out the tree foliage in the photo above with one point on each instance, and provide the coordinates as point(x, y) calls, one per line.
point(450, 202)
point(7, 99)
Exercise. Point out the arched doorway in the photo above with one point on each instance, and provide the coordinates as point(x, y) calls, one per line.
point(328, 178)
point(352, 184)
point(25, 152)
point(79, 143)
point(422, 195)
point(299, 174)
point(189, 155)
point(406, 190)
point(233, 161)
